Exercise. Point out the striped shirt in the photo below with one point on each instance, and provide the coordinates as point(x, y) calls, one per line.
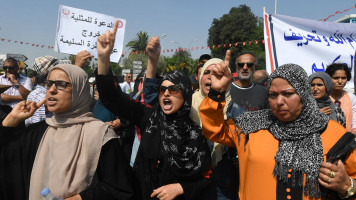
point(37, 95)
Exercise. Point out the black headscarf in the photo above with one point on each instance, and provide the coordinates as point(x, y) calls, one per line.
point(174, 139)
point(300, 147)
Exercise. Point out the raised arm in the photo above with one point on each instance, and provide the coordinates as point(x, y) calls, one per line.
point(105, 45)
point(153, 50)
point(215, 128)
point(113, 98)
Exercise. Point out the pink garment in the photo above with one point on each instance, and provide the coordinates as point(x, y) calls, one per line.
point(346, 107)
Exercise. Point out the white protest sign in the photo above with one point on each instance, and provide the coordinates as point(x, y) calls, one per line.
point(126, 71)
point(79, 30)
point(311, 44)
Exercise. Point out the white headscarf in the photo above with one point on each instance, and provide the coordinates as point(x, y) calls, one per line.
point(218, 149)
point(199, 96)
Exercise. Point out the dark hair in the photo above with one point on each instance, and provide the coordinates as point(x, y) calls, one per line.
point(247, 52)
point(197, 69)
point(204, 57)
point(12, 61)
point(331, 69)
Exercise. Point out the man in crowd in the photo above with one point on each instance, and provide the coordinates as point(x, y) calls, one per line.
point(260, 77)
point(21, 85)
point(128, 85)
point(244, 92)
point(202, 60)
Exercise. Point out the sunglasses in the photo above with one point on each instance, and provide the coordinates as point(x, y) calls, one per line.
point(249, 65)
point(173, 89)
point(337, 103)
point(60, 85)
point(8, 68)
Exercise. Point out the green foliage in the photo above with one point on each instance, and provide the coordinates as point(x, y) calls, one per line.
point(139, 43)
point(30, 72)
point(181, 61)
point(239, 25)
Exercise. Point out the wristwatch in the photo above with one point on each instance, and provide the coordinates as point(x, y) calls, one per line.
point(17, 85)
point(350, 190)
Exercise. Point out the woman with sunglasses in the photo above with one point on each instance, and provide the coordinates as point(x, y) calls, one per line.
point(173, 154)
point(321, 86)
point(340, 74)
point(73, 154)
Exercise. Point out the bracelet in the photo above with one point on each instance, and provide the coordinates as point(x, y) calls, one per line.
point(350, 191)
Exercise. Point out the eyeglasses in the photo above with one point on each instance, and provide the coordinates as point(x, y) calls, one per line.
point(129, 77)
point(60, 85)
point(173, 89)
point(249, 65)
point(8, 68)
point(337, 103)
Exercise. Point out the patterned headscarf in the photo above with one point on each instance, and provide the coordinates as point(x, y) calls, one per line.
point(300, 146)
point(176, 136)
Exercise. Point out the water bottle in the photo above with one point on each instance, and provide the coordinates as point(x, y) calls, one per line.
point(46, 193)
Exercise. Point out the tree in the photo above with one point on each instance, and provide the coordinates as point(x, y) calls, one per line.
point(139, 43)
point(181, 61)
point(239, 25)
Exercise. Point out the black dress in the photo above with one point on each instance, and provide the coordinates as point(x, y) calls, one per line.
point(18, 148)
point(144, 168)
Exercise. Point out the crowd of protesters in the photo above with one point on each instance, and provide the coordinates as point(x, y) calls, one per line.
point(174, 136)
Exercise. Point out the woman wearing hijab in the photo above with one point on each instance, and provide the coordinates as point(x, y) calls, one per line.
point(224, 162)
point(322, 86)
point(73, 154)
point(282, 150)
point(173, 154)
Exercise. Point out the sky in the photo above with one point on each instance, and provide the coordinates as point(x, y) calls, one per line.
point(185, 21)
